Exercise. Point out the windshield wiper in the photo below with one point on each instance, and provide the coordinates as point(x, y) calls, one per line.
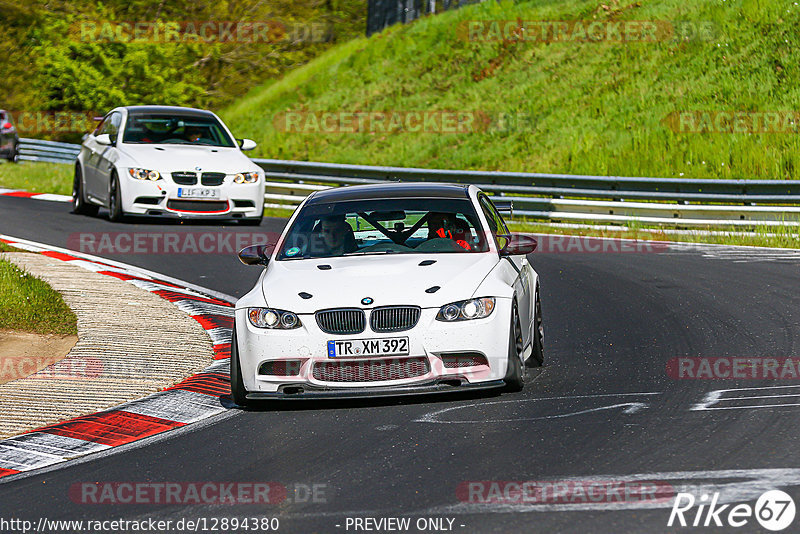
point(369, 252)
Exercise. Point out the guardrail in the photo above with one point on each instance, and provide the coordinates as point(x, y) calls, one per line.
point(570, 198)
point(47, 151)
point(553, 197)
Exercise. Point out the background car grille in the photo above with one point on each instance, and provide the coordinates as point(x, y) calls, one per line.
point(212, 178)
point(371, 370)
point(394, 318)
point(184, 178)
point(204, 206)
point(344, 321)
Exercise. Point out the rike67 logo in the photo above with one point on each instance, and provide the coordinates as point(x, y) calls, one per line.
point(774, 510)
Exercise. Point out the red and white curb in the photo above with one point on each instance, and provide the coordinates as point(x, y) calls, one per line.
point(194, 399)
point(36, 196)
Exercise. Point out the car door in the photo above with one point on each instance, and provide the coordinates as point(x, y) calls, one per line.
point(107, 156)
point(92, 156)
point(520, 264)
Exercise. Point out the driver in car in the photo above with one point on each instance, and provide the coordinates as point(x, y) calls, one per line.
point(193, 133)
point(448, 226)
point(336, 237)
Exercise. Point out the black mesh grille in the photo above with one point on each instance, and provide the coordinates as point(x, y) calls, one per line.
point(184, 178)
point(394, 318)
point(342, 321)
point(280, 368)
point(466, 359)
point(212, 178)
point(203, 206)
point(371, 370)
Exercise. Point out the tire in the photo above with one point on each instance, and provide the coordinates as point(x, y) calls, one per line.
point(537, 356)
point(79, 203)
point(115, 212)
point(251, 221)
point(14, 156)
point(515, 375)
point(238, 391)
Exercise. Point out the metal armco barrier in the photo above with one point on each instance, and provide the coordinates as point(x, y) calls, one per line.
point(552, 197)
point(47, 151)
point(565, 197)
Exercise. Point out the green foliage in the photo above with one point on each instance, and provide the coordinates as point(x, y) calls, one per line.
point(62, 55)
point(583, 108)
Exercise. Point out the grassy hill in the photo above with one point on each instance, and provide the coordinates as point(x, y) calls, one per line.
point(576, 107)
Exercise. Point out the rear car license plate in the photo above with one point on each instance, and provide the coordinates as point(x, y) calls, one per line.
point(388, 346)
point(197, 192)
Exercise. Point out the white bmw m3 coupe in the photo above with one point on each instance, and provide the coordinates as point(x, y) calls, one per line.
point(388, 289)
point(169, 162)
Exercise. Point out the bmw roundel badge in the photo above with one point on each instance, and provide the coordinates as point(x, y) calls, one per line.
point(366, 301)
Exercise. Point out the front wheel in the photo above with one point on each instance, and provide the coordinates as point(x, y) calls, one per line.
point(537, 356)
point(238, 391)
point(515, 375)
point(115, 212)
point(14, 156)
point(79, 204)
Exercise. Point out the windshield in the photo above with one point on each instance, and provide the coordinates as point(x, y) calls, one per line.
point(392, 226)
point(176, 130)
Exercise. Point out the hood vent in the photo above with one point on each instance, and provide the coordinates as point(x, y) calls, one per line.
point(324, 267)
point(304, 295)
point(425, 263)
point(433, 289)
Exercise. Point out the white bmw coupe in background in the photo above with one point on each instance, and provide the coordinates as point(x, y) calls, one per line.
point(167, 161)
point(386, 290)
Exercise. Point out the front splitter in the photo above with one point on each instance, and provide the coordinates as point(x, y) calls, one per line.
point(315, 392)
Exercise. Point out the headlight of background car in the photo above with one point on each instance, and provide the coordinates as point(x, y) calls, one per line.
point(273, 319)
point(465, 310)
point(144, 174)
point(246, 178)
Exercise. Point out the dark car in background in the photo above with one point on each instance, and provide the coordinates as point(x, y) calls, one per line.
point(9, 140)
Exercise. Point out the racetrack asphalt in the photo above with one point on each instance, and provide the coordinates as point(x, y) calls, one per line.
point(603, 407)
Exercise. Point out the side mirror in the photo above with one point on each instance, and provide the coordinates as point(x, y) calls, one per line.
point(254, 255)
point(246, 144)
point(103, 139)
point(518, 244)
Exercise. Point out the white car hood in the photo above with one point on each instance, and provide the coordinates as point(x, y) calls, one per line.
point(387, 279)
point(171, 158)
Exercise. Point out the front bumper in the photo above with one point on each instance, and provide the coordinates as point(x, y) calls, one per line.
point(159, 198)
point(431, 340)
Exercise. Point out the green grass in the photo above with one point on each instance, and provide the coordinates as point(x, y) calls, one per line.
point(28, 304)
point(594, 108)
point(4, 247)
point(37, 177)
point(759, 236)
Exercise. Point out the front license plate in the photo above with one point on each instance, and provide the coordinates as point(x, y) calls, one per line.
point(388, 346)
point(197, 192)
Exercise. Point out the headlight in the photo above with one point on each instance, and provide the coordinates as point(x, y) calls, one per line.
point(464, 310)
point(273, 319)
point(144, 174)
point(246, 178)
